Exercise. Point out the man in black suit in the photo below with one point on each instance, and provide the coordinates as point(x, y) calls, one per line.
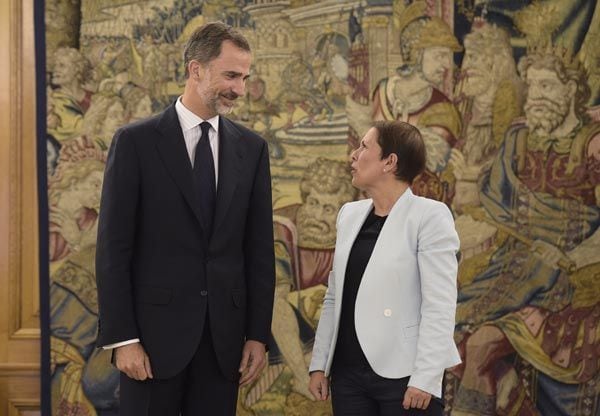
point(185, 263)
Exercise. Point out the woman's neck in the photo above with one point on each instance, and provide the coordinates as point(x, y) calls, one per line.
point(385, 196)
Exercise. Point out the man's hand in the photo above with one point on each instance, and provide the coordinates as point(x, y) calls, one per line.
point(415, 398)
point(319, 385)
point(253, 361)
point(133, 361)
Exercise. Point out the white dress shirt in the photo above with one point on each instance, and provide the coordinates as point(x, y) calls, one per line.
point(190, 126)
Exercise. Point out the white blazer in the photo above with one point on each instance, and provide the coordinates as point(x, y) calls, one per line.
point(406, 301)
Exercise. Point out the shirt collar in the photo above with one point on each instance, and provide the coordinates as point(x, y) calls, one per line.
point(190, 120)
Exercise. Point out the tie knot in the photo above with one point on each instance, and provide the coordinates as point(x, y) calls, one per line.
point(205, 127)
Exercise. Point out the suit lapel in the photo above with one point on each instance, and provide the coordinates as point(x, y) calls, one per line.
point(230, 162)
point(172, 150)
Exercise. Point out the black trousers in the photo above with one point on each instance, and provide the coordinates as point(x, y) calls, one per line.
point(200, 389)
point(359, 391)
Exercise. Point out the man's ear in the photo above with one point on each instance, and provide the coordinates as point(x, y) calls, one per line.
point(196, 70)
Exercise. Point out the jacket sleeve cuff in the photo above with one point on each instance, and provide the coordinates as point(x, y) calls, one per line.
point(430, 383)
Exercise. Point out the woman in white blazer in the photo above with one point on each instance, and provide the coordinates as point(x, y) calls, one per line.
point(385, 335)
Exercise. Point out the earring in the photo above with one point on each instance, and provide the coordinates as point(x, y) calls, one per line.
point(385, 170)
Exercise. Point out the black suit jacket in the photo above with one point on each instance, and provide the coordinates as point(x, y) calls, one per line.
point(160, 276)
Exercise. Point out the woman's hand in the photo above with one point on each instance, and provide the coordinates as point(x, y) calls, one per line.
point(319, 385)
point(416, 399)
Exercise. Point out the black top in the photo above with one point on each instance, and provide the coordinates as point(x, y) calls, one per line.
point(348, 351)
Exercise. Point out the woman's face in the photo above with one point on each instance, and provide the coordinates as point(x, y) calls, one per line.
point(366, 163)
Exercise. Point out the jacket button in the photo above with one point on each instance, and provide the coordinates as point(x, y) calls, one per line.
point(204, 293)
point(387, 313)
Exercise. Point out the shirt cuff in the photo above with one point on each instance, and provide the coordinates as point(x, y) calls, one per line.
point(120, 344)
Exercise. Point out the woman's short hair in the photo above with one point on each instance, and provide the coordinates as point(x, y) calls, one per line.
point(406, 142)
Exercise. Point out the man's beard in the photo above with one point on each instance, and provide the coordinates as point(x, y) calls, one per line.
point(314, 233)
point(214, 102)
point(550, 115)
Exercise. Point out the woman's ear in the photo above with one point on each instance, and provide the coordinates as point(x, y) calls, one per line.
point(392, 162)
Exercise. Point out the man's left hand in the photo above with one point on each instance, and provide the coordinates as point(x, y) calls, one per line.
point(416, 399)
point(253, 361)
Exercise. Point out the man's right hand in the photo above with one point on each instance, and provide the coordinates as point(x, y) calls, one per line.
point(133, 361)
point(319, 385)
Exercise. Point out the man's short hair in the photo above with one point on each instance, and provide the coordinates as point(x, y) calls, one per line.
point(205, 43)
point(405, 141)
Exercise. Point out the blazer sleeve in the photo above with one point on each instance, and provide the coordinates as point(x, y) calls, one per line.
point(324, 335)
point(259, 254)
point(325, 329)
point(436, 255)
point(115, 244)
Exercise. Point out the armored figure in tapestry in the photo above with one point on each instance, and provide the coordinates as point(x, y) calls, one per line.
point(414, 94)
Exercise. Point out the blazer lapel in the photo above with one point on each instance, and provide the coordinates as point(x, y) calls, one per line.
point(172, 150)
point(354, 222)
point(230, 162)
point(388, 236)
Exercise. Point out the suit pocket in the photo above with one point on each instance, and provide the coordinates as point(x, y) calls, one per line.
point(239, 298)
point(154, 295)
point(411, 331)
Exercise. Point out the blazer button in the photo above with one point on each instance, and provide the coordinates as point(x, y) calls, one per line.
point(204, 293)
point(387, 313)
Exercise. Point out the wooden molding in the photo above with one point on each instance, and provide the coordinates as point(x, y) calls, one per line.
point(24, 407)
point(14, 129)
point(19, 369)
point(19, 253)
point(26, 333)
point(23, 277)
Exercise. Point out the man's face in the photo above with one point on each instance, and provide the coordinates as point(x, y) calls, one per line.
point(317, 216)
point(548, 100)
point(436, 61)
point(63, 71)
point(477, 68)
point(223, 79)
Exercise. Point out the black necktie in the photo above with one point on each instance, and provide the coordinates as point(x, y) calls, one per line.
point(204, 177)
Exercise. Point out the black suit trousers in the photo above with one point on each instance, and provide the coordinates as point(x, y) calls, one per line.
point(200, 389)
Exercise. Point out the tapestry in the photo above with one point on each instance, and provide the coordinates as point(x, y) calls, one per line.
point(506, 95)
